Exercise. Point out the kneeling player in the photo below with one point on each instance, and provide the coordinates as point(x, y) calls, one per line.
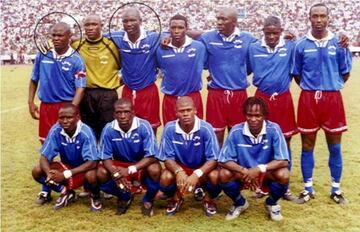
point(75, 142)
point(189, 149)
point(254, 154)
point(127, 149)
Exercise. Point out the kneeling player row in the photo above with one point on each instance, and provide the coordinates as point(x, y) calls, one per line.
point(254, 154)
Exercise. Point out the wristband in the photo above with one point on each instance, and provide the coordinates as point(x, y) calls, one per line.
point(67, 174)
point(132, 169)
point(199, 172)
point(178, 170)
point(262, 167)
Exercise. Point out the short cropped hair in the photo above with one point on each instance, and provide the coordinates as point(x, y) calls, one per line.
point(272, 21)
point(317, 5)
point(251, 101)
point(123, 101)
point(179, 17)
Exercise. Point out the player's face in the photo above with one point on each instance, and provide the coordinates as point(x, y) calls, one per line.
point(60, 37)
point(185, 112)
point(131, 22)
point(68, 118)
point(255, 118)
point(225, 23)
point(124, 114)
point(92, 28)
point(319, 18)
point(177, 30)
point(272, 35)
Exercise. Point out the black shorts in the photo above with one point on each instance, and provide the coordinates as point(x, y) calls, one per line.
point(97, 108)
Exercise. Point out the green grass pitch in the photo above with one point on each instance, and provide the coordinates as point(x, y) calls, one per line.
point(19, 153)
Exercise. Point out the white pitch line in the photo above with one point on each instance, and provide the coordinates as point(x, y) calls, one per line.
point(13, 109)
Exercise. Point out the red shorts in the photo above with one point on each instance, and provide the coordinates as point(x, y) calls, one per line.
point(281, 111)
point(321, 109)
point(73, 182)
point(49, 113)
point(169, 106)
point(146, 103)
point(224, 108)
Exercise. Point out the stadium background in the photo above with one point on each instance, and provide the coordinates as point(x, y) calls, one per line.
point(19, 144)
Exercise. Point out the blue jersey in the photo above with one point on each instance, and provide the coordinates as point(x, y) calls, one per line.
point(131, 146)
point(191, 150)
point(182, 68)
point(227, 59)
point(321, 65)
point(271, 67)
point(74, 151)
point(138, 59)
point(58, 78)
point(246, 150)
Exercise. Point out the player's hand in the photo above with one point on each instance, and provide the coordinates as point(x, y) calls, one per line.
point(190, 183)
point(343, 40)
point(45, 46)
point(34, 111)
point(56, 176)
point(123, 183)
point(165, 42)
point(181, 178)
point(288, 35)
point(250, 179)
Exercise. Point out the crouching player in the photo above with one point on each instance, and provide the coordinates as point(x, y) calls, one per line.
point(75, 143)
point(127, 150)
point(189, 149)
point(254, 154)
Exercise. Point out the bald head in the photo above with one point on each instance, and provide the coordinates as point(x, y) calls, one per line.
point(229, 12)
point(61, 26)
point(93, 17)
point(184, 101)
point(70, 107)
point(93, 26)
point(131, 11)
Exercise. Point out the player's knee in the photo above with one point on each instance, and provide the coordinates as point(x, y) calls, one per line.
point(224, 175)
point(37, 172)
point(282, 175)
point(167, 178)
point(213, 176)
point(154, 171)
point(91, 176)
point(102, 174)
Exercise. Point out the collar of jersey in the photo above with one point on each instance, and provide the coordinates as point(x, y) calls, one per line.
point(246, 130)
point(329, 36)
point(66, 54)
point(231, 37)
point(134, 125)
point(280, 44)
point(178, 129)
point(142, 36)
point(188, 41)
point(77, 131)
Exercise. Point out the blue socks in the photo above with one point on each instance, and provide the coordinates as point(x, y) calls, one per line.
point(232, 190)
point(211, 189)
point(46, 188)
point(169, 190)
point(110, 187)
point(276, 191)
point(307, 167)
point(152, 188)
point(335, 165)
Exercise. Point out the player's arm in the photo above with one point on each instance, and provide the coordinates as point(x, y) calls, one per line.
point(44, 165)
point(143, 163)
point(88, 165)
point(346, 77)
point(194, 34)
point(118, 174)
point(178, 171)
point(79, 94)
point(194, 178)
point(234, 167)
point(33, 108)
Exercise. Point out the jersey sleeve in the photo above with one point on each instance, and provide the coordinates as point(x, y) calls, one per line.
point(228, 151)
point(89, 150)
point(80, 74)
point(50, 148)
point(344, 59)
point(296, 64)
point(211, 144)
point(105, 150)
point(150, 144)
point(279, 145)
point(166, 147)
point(35, 75)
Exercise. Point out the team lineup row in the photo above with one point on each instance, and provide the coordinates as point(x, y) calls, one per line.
point(317, 62)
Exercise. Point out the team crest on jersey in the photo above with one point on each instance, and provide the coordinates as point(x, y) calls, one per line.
point(65, 65)
point(104, 59)
point(282, 52)
point(135, 137)
point(145, 48)
point(332, 50)
point(196, 140)
point(191, 52)
point(238, 43)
